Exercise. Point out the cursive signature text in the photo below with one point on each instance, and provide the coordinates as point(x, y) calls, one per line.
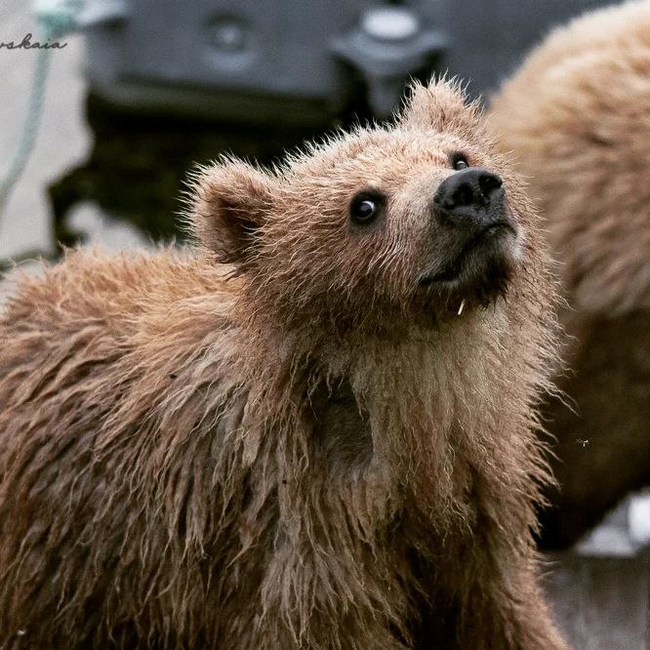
point(26, 44)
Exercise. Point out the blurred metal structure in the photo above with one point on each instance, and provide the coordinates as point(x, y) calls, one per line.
point(290, 61)
point(172, 83)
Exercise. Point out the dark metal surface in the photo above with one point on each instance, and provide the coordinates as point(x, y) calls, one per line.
point(601, 603)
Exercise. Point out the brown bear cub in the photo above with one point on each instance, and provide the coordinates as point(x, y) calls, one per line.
point(577, 116)
point(315, 430)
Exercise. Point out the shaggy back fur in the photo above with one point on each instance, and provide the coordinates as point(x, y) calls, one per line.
point(278, 439)
point(576, 118)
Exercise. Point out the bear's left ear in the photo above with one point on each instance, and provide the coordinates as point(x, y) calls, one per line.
point(230, 201)
point(440, 106)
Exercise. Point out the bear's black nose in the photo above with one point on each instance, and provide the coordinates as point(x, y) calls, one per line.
point(469, 194)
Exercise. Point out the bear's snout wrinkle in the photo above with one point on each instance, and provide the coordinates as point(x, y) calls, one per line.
point(470, 197)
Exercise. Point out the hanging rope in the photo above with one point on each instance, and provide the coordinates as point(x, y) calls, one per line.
point(55, 19)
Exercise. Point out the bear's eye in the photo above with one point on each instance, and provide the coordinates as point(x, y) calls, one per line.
point(365, 207)
point(458, 161)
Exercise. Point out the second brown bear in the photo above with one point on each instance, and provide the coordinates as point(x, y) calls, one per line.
point(576, 119)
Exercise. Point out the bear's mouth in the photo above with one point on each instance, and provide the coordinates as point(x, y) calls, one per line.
point(482, 266)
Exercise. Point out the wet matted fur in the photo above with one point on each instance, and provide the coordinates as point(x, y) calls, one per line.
point(576, 119)
point(284, 438)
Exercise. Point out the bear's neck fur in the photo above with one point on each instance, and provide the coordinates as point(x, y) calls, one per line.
point(442, 443)
point(434, 411)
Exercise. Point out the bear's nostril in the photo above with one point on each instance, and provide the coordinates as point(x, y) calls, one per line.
point(468, 193)
point(464, 195)
point(489, 183)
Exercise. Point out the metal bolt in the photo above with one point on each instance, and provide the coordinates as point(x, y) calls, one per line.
point(390, 24)
point(228, 36)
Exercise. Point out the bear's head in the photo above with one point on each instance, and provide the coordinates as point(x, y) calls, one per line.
point(373, 229)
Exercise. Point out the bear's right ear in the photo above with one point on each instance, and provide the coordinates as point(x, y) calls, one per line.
point(440, 106)
point(229, 202)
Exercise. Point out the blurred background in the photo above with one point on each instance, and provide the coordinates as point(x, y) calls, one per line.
point(143, 89)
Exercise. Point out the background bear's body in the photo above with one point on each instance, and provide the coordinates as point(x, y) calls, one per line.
point(317, 453)
point(577, 119)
